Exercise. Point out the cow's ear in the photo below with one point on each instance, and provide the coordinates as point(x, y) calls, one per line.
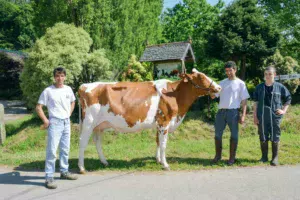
point(183, 77)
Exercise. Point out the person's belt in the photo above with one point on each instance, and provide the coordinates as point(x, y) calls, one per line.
point(228, 108)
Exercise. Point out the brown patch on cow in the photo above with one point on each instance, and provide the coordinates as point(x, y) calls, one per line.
point(128, 99)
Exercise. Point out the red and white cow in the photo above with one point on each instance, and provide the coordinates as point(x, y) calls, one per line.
point(134, 106)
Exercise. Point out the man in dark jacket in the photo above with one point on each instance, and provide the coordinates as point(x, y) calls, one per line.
point(272, 100)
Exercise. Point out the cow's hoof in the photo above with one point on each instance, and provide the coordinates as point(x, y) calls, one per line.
point(82, 171)
point(106, 164)
point(166, 168)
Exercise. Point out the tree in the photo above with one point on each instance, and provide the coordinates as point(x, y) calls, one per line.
point(286, 15)
point(63, 45)
point(243, 34)
point(192, 18)
point(16, 29)
point(11, 66)
point(122, 27)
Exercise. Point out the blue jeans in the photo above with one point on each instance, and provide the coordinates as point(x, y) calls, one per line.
point(230, 117)
point(58, 134)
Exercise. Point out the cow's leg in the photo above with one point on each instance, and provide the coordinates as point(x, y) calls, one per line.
point(163, 138)
point(158, 160)
point(97, 139)
point(84, 139)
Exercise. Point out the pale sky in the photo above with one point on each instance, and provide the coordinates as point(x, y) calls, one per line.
point(171, 3)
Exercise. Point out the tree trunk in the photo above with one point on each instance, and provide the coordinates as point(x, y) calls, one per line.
point(243, 69)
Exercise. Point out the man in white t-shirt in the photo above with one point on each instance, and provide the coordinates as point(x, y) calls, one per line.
point(60, 102)
point(233, 94)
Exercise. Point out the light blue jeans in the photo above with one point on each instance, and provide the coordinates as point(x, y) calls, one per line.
point(58, 134)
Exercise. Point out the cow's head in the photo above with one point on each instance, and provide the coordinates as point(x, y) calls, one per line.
point(201, 82)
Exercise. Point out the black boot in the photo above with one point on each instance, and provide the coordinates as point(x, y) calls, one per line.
point(233, 147)
point(274, 161)
point(218, 156)
point(264, 151)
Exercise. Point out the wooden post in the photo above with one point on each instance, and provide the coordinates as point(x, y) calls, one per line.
point(183, 70)
point(2, 125)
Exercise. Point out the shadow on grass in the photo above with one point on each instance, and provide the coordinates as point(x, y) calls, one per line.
point(14, 128)
point(15, 178)
point(92, 164)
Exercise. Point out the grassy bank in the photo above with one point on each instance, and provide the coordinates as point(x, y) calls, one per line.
point(190, 148)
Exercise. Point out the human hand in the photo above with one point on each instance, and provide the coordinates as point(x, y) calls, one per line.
point(45, 125)
point(212, 96)
point(242, 119)
point(280, 112)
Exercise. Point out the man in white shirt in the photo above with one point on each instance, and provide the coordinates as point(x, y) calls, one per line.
point(233, 94)
point(60, 102)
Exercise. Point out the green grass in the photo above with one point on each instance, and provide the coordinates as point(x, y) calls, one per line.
point(191, 147)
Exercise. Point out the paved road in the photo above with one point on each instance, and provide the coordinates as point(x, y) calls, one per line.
point(14, 109)
point(261, 183)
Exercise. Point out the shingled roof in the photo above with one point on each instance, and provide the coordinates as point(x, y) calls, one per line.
point(168, 52)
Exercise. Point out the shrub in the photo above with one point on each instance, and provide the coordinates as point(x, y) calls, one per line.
point(136, 71)
point(67, 46)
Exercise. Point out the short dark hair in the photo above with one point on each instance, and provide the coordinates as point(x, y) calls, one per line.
point(271, 68)
point(60, 70)
point(230, 64)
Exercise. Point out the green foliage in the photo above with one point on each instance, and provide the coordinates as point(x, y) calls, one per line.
point(121, 26)
point(243, 34)
point(10, 69)
point(192, 18)
point(136, 71)
point(63, 45)
point(16, 29)
point(285, 65)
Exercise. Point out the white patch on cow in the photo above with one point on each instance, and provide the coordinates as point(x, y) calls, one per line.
point(118, 122)
point(146, 103)
point(160, 85)
point(174, 123)
point(91, 86)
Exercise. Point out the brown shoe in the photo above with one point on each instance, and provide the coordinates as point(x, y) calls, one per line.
point(68, 176)
point(50, 184)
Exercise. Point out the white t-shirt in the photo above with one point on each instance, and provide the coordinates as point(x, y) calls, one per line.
point(232, 93)
point(58, 101)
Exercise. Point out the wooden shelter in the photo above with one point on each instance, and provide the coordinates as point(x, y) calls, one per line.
point(169, 57)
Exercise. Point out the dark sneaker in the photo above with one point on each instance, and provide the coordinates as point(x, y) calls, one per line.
point(50, 184)
point(68, 176)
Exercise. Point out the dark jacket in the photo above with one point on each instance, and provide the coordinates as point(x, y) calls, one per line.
point(280, 97)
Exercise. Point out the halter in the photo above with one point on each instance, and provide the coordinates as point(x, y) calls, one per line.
point(202, 88)
point(199, 87)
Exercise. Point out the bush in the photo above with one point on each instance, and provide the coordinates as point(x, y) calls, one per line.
point(136, 71)
point(63, 45)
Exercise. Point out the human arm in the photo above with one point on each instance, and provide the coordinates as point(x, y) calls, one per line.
point(255, 119)
point(287, 101)
point(244, 111)
point(72, 107)
point(41, 114)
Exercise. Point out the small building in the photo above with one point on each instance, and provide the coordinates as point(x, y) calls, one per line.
point(169, 59)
